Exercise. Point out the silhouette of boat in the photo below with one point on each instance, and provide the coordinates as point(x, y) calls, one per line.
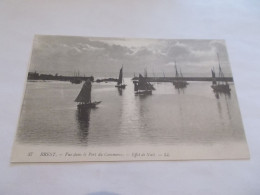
point(84, 97)
point(219, 85)
point(76, 79)
point(120, 82)
point(149, 85)
point(178, 81)
point(142, 87)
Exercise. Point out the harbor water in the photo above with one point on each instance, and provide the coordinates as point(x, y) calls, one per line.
point(169, 116)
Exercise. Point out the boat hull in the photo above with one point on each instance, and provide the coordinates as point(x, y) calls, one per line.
point(180, 84)
point(221, 88)
point(76, 81)
point(121, 86)
point(88, 105)
point(146, 92)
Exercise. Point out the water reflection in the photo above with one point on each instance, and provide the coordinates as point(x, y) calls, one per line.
point(218, 94)
point(227, 105)
point(120, 91)
point(223, 101)
point(219, 109)
point(180, 90)
point(83, 117)
point(130, 123)
point(143, 97)
point(165, 117)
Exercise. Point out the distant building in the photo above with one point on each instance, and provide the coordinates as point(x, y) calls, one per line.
point(33, 76)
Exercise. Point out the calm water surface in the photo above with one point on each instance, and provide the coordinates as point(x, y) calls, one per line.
point(193, 115)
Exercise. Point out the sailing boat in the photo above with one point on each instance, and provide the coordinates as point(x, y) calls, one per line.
point(214, 82)
point(142, 87)
point(221, 85)
point(75, 79)
point(84, 97)
point(120, 84)
point(178, 81)
point(149, 85)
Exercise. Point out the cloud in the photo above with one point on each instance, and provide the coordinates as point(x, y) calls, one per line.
point(67, 54)
point(170, 64)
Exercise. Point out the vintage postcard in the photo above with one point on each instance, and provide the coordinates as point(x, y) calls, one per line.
point(117, 99)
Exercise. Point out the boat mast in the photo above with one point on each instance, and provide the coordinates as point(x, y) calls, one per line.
point(145, 72)
point(122, 81)
point(221, 74)
point(176, 71)
point(120, 78)
point(213, 76)
point(181, 74)
point(90, 92)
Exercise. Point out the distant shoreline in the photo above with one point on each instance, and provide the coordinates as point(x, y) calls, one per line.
point(171, 79)
point(56, 77)
point(36, 76)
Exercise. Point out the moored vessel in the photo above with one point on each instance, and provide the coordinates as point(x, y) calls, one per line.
point(84, 97)
point(179, 81)
point(120, 83)
point(142, 87)
point(220, 84)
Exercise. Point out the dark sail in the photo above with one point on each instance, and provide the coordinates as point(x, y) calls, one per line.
point(213, 77)
point(142, 84)
point(120, 79)
point(85, 93)
point(176, 72)
point(179, 81)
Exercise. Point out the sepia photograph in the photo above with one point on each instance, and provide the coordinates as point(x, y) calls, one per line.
point(125, 99)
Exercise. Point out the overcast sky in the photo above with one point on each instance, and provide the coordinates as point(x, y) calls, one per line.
point(105, 56)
